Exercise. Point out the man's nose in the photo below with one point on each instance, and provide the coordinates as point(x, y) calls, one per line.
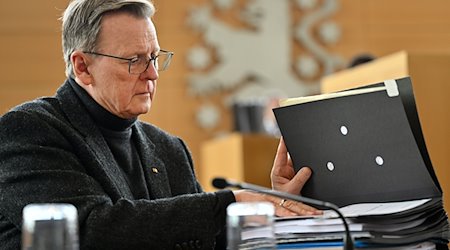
point(151, 73)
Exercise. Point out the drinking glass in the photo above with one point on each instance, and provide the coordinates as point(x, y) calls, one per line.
point(50, 227)
point(250, 226)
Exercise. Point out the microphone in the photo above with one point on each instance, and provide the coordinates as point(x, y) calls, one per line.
point(222, 183)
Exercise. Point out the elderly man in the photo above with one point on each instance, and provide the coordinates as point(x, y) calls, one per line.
point(133, 184)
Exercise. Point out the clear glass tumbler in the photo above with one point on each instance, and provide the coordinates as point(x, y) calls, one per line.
point(50, 227)
point(250, 226)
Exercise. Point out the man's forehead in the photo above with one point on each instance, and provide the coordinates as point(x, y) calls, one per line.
point(125, 30)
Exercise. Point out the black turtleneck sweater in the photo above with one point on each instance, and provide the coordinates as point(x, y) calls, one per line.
point(118, 134)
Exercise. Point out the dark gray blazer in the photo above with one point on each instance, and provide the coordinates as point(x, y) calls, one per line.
point(52, 151)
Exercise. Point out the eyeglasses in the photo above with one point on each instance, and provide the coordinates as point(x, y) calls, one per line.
point(139, 64)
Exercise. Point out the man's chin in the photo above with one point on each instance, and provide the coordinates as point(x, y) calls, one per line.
point(133, 113)
point(144, 110)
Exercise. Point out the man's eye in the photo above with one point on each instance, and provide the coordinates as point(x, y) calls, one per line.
point(134, 60)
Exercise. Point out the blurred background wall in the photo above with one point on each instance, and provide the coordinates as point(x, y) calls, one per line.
point(31, 64)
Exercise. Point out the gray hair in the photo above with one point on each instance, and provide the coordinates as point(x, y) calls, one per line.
point(81, 22)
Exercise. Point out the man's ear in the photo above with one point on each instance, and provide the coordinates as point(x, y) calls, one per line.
point(80, 64)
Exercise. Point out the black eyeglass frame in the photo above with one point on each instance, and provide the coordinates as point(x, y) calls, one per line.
point(130, 60)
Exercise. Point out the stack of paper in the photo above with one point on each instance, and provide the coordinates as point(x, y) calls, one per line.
point(373, 225)
point(419, 224)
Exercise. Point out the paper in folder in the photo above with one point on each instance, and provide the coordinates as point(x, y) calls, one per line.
point(366, 145)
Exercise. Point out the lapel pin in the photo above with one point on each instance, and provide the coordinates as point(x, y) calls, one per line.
point(155, 170)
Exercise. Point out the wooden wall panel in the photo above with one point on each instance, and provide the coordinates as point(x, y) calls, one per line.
point(383, 27)
point(32, 66)
point(30, 48)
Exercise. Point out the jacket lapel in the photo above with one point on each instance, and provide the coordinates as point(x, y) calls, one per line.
point(107, 168)
point(154, 169)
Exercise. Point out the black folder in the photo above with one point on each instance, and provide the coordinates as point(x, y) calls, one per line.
point(361, 147)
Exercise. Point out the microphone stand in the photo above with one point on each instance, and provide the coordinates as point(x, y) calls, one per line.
point(347, 239)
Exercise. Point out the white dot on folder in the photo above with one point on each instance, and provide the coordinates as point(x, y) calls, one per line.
point(379, 160)
point(344, 130)
point(330, 166)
